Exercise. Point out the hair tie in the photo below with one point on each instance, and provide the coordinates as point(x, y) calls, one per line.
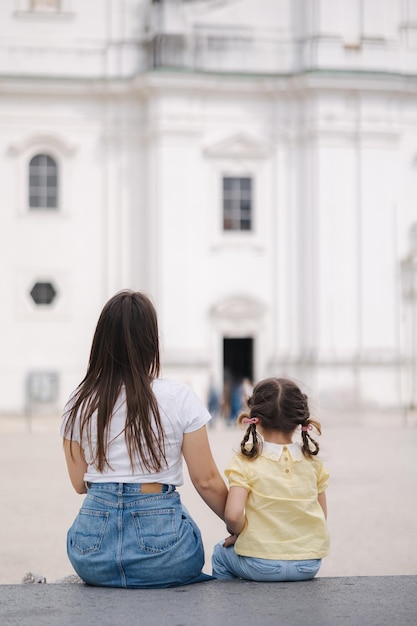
point(250, 420)
point(306, 428)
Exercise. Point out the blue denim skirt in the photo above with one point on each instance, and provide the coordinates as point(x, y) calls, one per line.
point(124, 538)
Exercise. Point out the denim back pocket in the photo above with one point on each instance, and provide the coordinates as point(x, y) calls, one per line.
point(310, 566)
point(88, 530)
point(156, 529)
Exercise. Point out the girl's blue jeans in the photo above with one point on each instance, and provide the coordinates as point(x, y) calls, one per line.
point(124, 538)
point(228, 565)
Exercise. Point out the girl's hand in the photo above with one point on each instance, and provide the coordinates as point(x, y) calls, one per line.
point(229, 541)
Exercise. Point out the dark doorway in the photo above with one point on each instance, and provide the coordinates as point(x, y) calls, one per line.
point(237, 366)
point(238, 358)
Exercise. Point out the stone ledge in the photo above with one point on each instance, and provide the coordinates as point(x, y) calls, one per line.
point(350, 601)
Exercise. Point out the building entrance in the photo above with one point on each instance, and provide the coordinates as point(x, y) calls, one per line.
point(238, 358)
point(237, 366)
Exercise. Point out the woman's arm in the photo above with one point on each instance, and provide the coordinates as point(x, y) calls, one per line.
point(203, 470)
point(76, 464)
point(234, 514)
point(323, 503)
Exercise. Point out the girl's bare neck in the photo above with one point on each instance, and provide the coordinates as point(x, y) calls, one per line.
point(276, 436)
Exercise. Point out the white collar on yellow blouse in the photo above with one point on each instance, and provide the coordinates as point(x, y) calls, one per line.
point(274, 450)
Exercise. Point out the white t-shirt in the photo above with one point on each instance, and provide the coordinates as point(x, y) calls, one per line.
point(181, 411)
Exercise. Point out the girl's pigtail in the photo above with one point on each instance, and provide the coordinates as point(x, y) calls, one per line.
point(251, 451)
point(306, 427)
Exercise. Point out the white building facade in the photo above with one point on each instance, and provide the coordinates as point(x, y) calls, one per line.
point(250, 164)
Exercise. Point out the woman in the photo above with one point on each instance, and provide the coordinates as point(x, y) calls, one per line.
point(125, 433)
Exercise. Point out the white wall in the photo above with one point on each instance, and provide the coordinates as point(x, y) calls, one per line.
point(332, 153)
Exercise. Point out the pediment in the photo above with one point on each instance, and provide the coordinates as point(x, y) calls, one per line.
point(238, 307)
point(54, 142)
point(238, 146)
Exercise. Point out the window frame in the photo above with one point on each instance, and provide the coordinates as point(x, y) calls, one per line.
point(240, 155)
point(41, 287)
point(44, 188)
point(220, 238)
point(235, 196)
point(62, 152)
point(26, 309)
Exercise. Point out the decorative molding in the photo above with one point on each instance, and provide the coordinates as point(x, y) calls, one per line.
point(237, 308)
point(26, 309)
point(44, 15)
point(53, 141)
point(27, 10)
point(240, 146)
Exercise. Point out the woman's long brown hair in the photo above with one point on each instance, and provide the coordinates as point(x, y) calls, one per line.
point(125, 351)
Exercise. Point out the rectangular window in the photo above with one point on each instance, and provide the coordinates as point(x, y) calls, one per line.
point(237, 203)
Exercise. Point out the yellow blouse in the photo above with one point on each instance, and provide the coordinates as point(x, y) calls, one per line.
point(284, 519)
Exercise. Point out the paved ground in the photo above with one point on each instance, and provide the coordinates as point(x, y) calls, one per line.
point(372, 498)
point(369, 601)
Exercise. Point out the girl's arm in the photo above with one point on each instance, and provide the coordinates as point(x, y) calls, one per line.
point(323, 503)
point(234, 514)
point(76, 464)
point(203, 470)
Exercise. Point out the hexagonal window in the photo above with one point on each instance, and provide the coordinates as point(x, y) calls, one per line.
point(43, 293)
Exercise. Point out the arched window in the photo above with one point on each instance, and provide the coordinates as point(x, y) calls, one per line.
point(43, 182)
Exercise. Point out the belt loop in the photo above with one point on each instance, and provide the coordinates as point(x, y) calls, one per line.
point(120, 489)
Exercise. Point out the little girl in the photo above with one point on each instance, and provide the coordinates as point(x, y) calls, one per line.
point(276, 507)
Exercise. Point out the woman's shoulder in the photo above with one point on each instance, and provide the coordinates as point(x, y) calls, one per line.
point(168, 386)
point(174, 391)
point(181, 403)
point(168, 382)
